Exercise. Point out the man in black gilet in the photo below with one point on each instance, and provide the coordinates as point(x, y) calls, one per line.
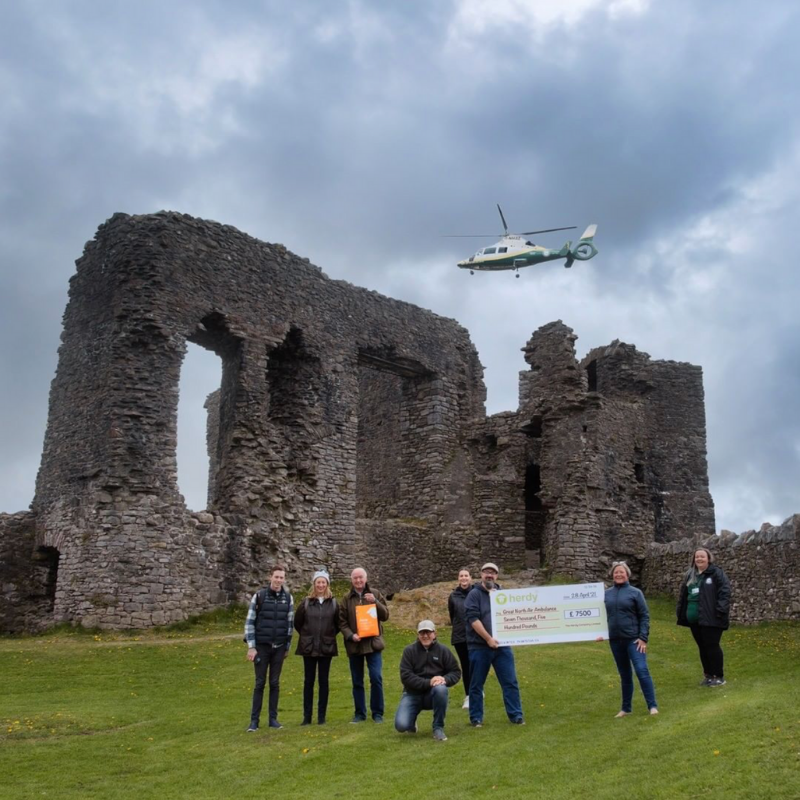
point(268, 633)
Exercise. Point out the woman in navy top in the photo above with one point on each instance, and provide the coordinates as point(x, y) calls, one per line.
point(628, 631)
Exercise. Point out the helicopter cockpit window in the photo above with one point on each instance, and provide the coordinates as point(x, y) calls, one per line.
point(502, 249)
point(489, 250)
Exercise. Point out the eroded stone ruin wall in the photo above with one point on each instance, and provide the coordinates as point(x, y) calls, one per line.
point(285, 435)
point(763, 568)
point(28, 577)
point(349, 429)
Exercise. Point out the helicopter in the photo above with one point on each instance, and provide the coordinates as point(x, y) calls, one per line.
point(514, 251)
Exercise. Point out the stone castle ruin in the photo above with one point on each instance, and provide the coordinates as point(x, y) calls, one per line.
point(349, 429)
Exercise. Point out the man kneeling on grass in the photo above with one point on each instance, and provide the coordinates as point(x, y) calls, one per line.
point(427, 670)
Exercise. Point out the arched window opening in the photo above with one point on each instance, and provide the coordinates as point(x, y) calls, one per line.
point(201, 375)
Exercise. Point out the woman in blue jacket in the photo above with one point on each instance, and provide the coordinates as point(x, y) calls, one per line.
point(628, 630)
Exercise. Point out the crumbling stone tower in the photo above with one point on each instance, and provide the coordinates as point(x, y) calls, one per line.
point(602, 457)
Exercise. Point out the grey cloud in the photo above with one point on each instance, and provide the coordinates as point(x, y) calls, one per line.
point(373, 134)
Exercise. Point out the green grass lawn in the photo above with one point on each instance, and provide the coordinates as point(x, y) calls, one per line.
point(163, 714)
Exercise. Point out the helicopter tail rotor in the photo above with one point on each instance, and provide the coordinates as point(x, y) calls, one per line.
point(585, 248)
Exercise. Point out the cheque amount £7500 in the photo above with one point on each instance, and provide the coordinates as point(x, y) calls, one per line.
point(581, 613)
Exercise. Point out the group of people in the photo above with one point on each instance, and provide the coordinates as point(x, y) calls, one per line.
point(271, 621)
point(428, 669)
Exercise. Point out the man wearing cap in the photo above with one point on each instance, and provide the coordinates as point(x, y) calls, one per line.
point(485, 652)
point(427, 669)
point(364, 648)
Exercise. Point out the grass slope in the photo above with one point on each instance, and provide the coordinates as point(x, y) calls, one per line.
point(163, 714)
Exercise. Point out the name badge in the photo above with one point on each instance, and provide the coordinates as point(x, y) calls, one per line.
point(695, 590)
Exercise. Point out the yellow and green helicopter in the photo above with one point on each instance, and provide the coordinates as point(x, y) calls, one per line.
point(515, 251)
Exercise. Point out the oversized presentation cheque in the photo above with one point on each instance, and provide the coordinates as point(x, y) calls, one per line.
point(549, 614)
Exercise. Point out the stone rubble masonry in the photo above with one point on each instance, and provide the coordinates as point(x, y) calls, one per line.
point(602, 457)
point(763, 567)
point(349, 429)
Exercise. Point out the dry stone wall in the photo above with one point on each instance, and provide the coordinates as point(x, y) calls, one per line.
point(763, 567)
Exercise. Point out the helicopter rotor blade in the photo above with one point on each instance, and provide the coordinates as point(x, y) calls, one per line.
point(548, 230)
point(505, 224)
point(471, 235)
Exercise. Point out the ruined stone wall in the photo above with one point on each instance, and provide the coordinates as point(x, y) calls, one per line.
point(662, 407)
point(498, 493)
point(284, 425)
point(763, 568)
point(349, 429)
point(28, 576)
point(676, 466)
point(211, 406)
point(380, 453)
point(607, 441)
point(429, 554)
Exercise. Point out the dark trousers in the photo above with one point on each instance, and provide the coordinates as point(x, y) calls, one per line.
point(312, 664)
point(707, 639)
point(267, 658)
point(375, 667)
point(463, 657)
point(435, 699)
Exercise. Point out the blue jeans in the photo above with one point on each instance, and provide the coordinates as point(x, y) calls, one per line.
point(434, 699)
point(502, 659)
point(625, 654)
point(374, 665)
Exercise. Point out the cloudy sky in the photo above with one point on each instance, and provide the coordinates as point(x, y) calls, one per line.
point(357, 133)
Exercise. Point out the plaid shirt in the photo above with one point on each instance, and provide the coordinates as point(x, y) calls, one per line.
point(250, 621)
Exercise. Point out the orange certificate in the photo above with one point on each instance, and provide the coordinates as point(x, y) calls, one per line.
point(367, 620)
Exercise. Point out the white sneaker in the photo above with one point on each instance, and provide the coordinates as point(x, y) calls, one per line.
point(465, 704)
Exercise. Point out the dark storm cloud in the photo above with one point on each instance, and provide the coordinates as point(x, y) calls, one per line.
point(358, 133)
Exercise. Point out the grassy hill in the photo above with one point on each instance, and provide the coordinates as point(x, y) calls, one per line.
point(163, 714)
